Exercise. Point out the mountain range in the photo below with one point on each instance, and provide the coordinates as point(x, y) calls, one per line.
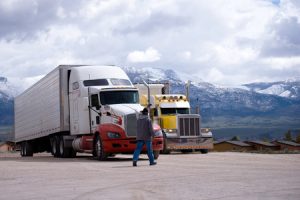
point(266, 108)
point(262, 110)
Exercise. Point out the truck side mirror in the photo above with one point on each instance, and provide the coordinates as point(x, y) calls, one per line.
point(95, 101)
point(97, 120)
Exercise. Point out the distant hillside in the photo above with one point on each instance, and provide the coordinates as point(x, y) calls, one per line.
point(6, 133)
point(289, 88)
point(232, 107)
point(6, 102)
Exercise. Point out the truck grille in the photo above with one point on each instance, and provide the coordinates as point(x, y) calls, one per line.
point(130, 125)
point(189, 125)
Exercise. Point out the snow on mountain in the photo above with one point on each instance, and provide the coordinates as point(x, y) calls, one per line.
point(151, 74)
point(286, 94)
point(255, 104)
point(289, 88)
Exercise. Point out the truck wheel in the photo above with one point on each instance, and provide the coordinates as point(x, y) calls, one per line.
point(63, 151)
point(204, 151)
point(54, 146)
point(98, 149)
point(72, 153)
point(22, 150)
point(165, 150)
point(26, 149)
point(156, 154)
point(186, 150)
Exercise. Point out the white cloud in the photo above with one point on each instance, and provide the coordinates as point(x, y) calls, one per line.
point(223, 41)
point(215, 75)
point(282, 63)
point(61, 12)
point(229, 53)
point(187, 55)
point(149, 55)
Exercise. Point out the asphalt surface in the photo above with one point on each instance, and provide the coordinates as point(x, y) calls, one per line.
point(177, 176)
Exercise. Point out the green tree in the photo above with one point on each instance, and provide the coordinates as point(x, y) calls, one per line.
point(266, 140)
point(235, 138)
point(288, 136)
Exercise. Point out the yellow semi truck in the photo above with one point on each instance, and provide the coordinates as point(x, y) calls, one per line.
point(181, 129)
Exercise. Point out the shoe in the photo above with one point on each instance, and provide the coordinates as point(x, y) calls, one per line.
point(134, 164)
point(154, 163)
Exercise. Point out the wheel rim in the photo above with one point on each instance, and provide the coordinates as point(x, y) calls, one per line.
point(98, 148)
point(25, 149)
point(54, 146)
point(22, 149)
point(61, 147)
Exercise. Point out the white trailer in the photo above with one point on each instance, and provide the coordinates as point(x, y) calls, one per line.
point(79, 108)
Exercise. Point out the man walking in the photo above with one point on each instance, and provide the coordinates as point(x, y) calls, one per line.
point(144, 135)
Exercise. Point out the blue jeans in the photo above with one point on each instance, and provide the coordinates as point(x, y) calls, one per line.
point(139, 147)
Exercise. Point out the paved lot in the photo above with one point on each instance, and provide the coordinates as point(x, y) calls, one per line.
point(177, 176)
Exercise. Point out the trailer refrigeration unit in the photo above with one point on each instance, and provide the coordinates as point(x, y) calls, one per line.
point(78, 108)
point(181, 130)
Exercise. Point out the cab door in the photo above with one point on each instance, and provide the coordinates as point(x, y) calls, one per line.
point(94, 112)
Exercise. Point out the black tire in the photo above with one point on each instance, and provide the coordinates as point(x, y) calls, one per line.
point(204, 151)
point(72, 153)
point(22, 150)
point(29, 149)
point(156, 154)
point(63, 152)
point(186, 151)
point(55, 146)
point(26, 149)
point(98, 149)
point(165, 150)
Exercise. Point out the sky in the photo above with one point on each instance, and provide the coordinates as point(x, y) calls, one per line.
point(226, 42)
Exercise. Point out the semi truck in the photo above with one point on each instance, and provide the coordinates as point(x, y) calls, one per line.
point(80, 108)
point(181, 130)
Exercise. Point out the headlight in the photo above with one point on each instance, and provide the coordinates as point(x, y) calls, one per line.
point(170, 130)
point(158, 133)
point(113, 135)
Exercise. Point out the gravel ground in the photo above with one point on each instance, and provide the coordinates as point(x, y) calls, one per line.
point(177, 176)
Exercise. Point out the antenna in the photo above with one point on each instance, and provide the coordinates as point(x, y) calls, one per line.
point(187, 88)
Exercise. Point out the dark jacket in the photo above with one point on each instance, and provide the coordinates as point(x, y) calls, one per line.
point(144, 128)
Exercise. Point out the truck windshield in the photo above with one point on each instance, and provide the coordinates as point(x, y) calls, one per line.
point(119, 97)
point(170, 111)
